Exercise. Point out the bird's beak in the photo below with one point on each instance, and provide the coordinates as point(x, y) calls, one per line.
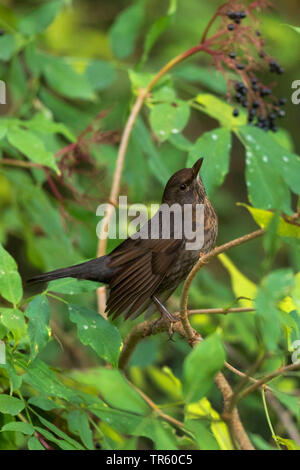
point(197, 166)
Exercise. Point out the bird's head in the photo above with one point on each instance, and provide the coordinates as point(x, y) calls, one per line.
point(185, 186)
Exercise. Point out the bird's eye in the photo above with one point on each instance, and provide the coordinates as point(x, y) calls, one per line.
point(183, 187)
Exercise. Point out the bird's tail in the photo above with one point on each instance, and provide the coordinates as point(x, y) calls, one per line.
point(93, 270)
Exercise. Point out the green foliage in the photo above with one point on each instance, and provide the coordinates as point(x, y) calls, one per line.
point(73, 72)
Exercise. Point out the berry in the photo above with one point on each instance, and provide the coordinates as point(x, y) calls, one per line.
point(232, 55)
point(230, 27)
point(238, 97)
point(255, 87)
point(240, 66)
point(256, 104)
point(281, 113)
point(282, 101)
point(230, 15)
point(258, 33)
point(243, 15)
point(235, 112)
point(2, 32)
point(237, 21)
point(265, 92)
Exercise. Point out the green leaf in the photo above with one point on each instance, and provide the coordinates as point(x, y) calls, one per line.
point(124, 32)
point(220, 110)
point(11, 405)
point(32, 146)
point(7, 47)
point(72, 286)
point(274, 288)
point(38, 314)
point(64, 79)
point(263, 219)
point(141, 135)
point(270, 169)
point(290, 444)
point(128, 423)
point(40, 18)
point(295, 28)
point(157, 28)
point(44, 380)
point(95, 331)
point(203, 434)
point(61, 443)
point(10, 280)
point(44, 403)
point(78, 424)
point(34, 444)
point(13, 319)
point(215, 147)
point(126, 398)
point(212, 79)
point(25, 428)
point(169, 118)
point(41, 123)
point(100, 74)
point(200, 367)
point(59, 433)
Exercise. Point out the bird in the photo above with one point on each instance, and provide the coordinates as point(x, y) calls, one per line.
point(143, 272)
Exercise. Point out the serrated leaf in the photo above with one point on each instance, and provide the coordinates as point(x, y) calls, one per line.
point(169, 118)
point(44, 380)
point(125, 29)
point(263, 218)
point(17, 426)
point(271, 169)
point(38, 314)
point(214, 147)
point(95, 331)
point(11, 405)
point(10, 280)
point(220, 110)
point(200, 367)
point(32, 146)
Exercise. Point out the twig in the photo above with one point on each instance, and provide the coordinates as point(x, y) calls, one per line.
point(269, 377)
point(20, 163)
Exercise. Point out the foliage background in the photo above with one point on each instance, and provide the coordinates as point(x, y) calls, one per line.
point(64, 63)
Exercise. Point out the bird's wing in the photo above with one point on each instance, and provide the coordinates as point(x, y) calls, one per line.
point(140, 267)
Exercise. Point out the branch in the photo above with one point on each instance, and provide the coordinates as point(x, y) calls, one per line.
point(202, 262)
point(20, 163)
point(267, 378)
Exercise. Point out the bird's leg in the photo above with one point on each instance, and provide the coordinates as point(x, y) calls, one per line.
point(164, 313)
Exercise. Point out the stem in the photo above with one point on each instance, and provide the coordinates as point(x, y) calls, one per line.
point(268, 417)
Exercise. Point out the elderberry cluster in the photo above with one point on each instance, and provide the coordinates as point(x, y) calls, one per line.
point(255, 107)
point(236, 16)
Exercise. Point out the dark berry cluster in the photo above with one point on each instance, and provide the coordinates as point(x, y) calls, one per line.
point(275, 67)
point(252, 98)
point(236, 16)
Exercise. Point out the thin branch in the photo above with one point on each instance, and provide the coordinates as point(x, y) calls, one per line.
point(267, 378)
point(20, 163)
point(202, 262)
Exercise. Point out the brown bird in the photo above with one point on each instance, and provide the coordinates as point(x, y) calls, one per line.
point(142, 273)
